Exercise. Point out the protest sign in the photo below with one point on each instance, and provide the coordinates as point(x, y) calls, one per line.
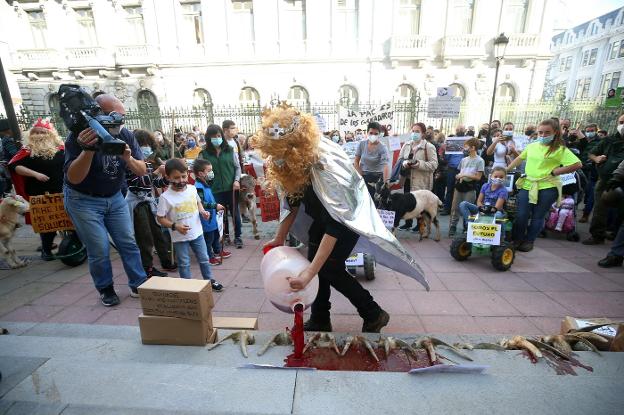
point(351, 120)
point(484, 233)
point(394, 143)
point(387, 217)
point(455, 145)
point(568, 178)
point(47, 213)
point(443, 107)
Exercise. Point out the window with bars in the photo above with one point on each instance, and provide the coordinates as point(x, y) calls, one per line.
point(506, 93)
point(86, 26)
point(242, 28)
point(404, 93)
point(249, 96)
point(408, 17)
point(201, 99)
point(136, 28)
point(514, 15)
point(348, 95)
point(461, 15)
point(192, 31)
point(38, 28)
point(459, 91)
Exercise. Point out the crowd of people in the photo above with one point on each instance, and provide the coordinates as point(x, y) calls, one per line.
point(146, 201)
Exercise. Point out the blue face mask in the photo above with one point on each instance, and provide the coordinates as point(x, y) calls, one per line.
point(416, 136)
point(216, 141)
point(335, 138)
point(590, 134)
point(147, 151)
point(545, 140)
point(190, 143)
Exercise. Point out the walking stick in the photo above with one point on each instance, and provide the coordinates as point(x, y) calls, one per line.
point(172, 155)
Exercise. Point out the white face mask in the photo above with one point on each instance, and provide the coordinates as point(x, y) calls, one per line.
point(620, 129)
point(373, 138)
point(507, 133)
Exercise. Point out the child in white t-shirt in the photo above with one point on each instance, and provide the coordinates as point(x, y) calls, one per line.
point(178, 209)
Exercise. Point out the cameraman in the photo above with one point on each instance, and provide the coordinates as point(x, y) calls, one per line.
point(94, 202)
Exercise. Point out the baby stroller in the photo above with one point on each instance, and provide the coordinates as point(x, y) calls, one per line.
point(562, 219)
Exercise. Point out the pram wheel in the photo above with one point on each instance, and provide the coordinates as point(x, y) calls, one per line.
point(573, 236)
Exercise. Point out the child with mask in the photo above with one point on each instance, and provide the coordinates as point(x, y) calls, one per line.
point(180, 209)
point(203, 179)
point(492, 197)
point(471, 170)
point(192, 149)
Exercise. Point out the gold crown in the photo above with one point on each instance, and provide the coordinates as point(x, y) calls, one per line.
point(276, 132)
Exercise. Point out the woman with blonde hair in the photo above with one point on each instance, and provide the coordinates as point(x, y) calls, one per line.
point(38, 169)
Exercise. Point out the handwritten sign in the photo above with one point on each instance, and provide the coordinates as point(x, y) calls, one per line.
point(47, 213)
point(455, 145)
point(484, 233)
point(443, 107)
point(355, 260)
point(387, 216)
point(352, 120)
point(394, 143)
point(568, 178)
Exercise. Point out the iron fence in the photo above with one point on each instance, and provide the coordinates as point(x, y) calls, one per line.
point(248, 117)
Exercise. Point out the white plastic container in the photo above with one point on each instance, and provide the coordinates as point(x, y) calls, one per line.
point(277, 266)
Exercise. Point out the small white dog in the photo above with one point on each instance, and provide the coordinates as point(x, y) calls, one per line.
point(10, 209)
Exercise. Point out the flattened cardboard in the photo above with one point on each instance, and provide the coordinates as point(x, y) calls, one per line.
point(235, 323)
point(176, 331)
point(572, 323)
point(177, 297)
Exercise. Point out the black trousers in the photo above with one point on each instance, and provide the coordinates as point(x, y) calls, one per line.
point(334, 274)
point(47, 240)
point(149, 235)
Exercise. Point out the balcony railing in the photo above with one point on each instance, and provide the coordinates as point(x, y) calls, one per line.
point(136, 55)
point(523, 44)
point(92, 56)
point(464, 46)
point(38, 59)
point(410, 47)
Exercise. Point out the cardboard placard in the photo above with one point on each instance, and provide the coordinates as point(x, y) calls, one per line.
point(47, 213)
point(355, 260)
point(177, 297)
point(443, 107)
point(484, 233)
point(351, 120)
point(568, 178)
point(235, 323)
point(394, 143)
point(455, 145)
point(176, 331)
point(387, 216)
point(269, 207)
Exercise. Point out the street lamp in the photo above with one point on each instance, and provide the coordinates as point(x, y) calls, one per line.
point(500, 44)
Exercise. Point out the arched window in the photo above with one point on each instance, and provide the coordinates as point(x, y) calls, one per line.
point(458, 91)
point(298, 96)
point(249, 96)
point(201, 99)
point(348, 95)
point(404, 93)
point(506, 93)
point(147, 104)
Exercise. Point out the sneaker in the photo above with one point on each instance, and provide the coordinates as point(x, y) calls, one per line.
point(168, 266)
point(452, 231)
point(134, 292)
point(525, 246)
point(611, 261)
point(154, 272)
point(226, 254)
point(47, 256)
point(216, 286)
point(108, 296)
point(214, 261)
point(592, 240)
point(312, 325)
point(238, 242)
point(375, 326)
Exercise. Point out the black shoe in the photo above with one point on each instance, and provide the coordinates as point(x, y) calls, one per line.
point(216, 286)
point(134, 292)
point(108, 296)
point(375, 326)
point(611, 261)
point(405, 227)
point(312, 325)
point(47, 256)
point(168, 266)
point(238, 242)
point(609, 236)
point(525, 246)
point(227, 240)
point(592, 240)
point(154, 272)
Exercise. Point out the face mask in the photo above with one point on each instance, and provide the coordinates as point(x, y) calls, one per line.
point(210, 176)
point(545, 140)
point(373, 138)
point(190, 144)
point(179, 185)
point(507, 133)
point(466, 152)
point(147, 151)
point(620, 129)
point(590, 134)
point(216, 141)
point(416, 136)
point(359, 136)
point(495, 180)
point(335, 138)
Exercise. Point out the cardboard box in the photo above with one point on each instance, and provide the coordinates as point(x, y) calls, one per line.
point(235, 323)
point(177, 297)
point(176, 331)
point(608, 332)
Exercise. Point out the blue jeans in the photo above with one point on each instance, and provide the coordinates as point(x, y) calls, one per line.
point(617, 249)
point(466, 209)
point(589, 196)
point(212, 243)
point(198, 245)
point(450, 187)
point(95, 218)
point(522, 231)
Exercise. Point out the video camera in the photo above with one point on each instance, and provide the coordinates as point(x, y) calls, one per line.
point(80, 111)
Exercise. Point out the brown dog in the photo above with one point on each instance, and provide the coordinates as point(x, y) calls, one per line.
point(11, 208)
point(247, 201)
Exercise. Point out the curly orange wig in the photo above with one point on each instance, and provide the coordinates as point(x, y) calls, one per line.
point(291, 150)
point(43, 142)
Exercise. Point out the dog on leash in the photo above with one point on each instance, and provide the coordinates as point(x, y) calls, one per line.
point(11, 208)
point(422, 205)
point(247, 201)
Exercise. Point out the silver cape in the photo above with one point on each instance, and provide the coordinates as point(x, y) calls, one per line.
point(342, 191)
